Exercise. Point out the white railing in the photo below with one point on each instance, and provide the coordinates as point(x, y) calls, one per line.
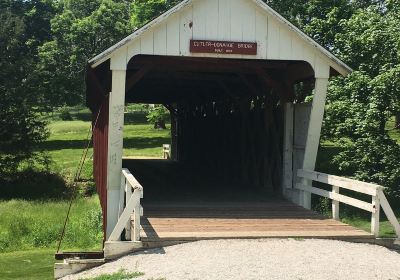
point(166, 151)
point(130, 194)
point(378, 197)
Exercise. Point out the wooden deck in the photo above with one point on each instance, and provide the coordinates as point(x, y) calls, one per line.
point(197, 221)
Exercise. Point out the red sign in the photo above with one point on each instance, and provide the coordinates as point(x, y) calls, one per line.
point(221, 47)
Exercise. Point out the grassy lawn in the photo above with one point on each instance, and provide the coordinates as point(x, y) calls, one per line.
point(29, 229)
point(68, 139)
point(29, 265)
point(27, 225)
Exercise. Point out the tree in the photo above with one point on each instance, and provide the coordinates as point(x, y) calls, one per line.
point(146, 10)
point(81, 30)
point(24, 27)
point(158, 116)
point(360, 105)
point(365, 34)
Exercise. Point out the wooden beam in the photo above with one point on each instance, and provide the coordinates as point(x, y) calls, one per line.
point(346, 183)
point(254, 90)
point(210, 63)
point(338, 197)
point(95, 81)
point(135, 78)
point(267, 80)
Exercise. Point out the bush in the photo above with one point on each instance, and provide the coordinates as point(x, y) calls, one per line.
point(65, 115)
point(158, 116)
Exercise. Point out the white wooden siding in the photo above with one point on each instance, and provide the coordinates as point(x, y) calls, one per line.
point(226, 20)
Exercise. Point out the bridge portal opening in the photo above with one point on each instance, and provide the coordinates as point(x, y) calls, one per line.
point(227, 124)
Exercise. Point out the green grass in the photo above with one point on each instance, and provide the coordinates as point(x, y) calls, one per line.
point(120, 275)
point(69, 138)
point(27, 225)
point(29, 230)
point(385, 229)
point(27, 265)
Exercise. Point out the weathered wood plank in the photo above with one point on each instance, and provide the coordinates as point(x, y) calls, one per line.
point(375, 216)
point(346, 183)
point(341, 198)
point(180, 223)
point(335, 204)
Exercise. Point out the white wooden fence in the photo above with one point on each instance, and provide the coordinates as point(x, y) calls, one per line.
point(129, 202)
point(378, 197)
point(166, 151)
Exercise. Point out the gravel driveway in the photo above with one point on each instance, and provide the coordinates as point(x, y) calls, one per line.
point(259, 259)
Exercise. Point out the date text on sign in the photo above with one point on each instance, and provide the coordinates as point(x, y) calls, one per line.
point(222, 47)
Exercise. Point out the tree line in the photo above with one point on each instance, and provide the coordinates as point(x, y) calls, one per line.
point(45, 44)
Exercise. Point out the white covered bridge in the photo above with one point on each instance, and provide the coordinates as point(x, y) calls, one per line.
point(235, 76)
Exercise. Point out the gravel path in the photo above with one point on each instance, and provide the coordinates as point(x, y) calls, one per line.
point(259, 259)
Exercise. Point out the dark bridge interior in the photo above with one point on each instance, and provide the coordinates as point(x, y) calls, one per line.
point(226, 122)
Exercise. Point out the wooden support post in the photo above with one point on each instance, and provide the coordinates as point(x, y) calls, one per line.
point(115, 140)
point(128, 192)
point(288, 147)
point(375, 215)
point(314, 132)
point(136, 222)
point(335, 204)
point(121, 205)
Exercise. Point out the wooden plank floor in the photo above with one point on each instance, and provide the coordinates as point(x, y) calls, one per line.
point(196, 221)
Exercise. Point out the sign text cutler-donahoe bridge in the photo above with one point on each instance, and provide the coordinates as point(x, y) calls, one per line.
point(222, 47)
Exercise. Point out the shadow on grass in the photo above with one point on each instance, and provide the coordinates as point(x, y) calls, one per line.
point(33, 185)
point(130, 118)
point(136, 142)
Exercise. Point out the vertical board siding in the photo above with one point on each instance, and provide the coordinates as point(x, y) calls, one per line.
point(199, 20)
point(297, 48)
point(224, 20)
point(236, 20)
point(147, 43)
point(134, 49)
point(273, 39)
point(100, 150)
point(285, 44)
point(309, 55)
point(160, 40)
point(211, 19)
point(185, 31)
point(261, 34)
point(248, 23)
point(173, 35)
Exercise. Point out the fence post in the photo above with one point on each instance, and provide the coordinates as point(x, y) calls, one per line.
point(127, 198)
point(121, 195)
point(136, 219)
point(335, 204)
point(375, 215)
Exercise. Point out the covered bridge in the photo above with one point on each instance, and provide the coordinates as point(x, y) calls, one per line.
point(237, 79)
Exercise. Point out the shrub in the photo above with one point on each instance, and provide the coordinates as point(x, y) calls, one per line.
point(158, 116)
point(65, 115)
